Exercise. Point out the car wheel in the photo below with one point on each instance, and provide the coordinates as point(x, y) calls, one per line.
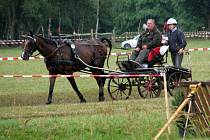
point(127, 46)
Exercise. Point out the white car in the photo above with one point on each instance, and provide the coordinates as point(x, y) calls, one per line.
point(130, 43)
point(133, 42)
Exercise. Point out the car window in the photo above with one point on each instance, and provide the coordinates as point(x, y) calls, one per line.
point(136, 37)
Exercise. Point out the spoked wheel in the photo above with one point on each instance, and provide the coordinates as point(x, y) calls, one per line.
point(149, 86)
point(119, 88)
point(174, 81)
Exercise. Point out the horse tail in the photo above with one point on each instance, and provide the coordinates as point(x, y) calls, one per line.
point(110, 48)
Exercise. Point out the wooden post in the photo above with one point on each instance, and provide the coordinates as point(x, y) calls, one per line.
point(97, 22)
point(113, 36)
point(206, 33)
point(126, 35)
point(184, 103)
point(166, 100)
point(49, 28)
point(74, 35)
point(92, 36)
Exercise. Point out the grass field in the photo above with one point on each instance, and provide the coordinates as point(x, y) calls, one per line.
point(24, 115)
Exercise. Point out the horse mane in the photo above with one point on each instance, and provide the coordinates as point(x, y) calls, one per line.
point(48, 41)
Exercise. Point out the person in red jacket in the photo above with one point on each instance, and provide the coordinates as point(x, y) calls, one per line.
point(165, 27)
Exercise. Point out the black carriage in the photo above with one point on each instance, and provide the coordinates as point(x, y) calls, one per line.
point(148, 86)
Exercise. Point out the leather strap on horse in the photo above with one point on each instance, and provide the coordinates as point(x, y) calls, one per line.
point(54, 51)
point(35, 56)
point(59, 62)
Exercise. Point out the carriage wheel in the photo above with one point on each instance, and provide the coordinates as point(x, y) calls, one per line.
point(119, 88)
point(149, 86)
point(174, 81)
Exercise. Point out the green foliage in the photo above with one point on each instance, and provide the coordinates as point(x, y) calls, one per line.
point(80, 15)
point(178, 98)
point(189, 16)
point(35, 13)
point(66, 119)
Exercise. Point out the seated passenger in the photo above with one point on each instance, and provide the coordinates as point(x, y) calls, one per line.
point(148, 40)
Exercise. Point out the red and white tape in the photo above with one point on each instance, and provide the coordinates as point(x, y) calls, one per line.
point(113, 54)
point(190, 50)
point(76, 75)
point(11, 42)
point(198, 49)
point(19, 58)
point(41, 57)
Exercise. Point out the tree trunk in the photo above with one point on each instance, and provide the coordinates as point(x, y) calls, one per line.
point(97, 22)
point(208, 19)
point(12, 21)
point(8, 35)
point(4, 26)
point(38, 29)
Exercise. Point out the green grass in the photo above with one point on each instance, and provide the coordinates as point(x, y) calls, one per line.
point(200, 60)
point(24, 114)
point(133, 119)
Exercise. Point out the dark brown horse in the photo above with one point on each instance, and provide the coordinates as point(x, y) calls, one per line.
point(60, 59)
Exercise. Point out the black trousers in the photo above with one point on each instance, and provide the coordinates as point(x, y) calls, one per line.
point(177, 59)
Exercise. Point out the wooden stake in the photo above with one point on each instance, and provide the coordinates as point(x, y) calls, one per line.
point(166, 100)
point(173, 116)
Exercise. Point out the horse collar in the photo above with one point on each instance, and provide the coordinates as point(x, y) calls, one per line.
point(73, 46)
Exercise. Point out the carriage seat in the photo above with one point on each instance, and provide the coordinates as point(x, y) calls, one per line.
point(155, 56)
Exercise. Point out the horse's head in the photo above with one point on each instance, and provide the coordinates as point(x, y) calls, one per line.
point(29, 47)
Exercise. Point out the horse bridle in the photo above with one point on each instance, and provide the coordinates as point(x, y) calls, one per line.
point(33, 47)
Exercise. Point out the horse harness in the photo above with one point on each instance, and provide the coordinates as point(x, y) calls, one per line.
point(61, 60)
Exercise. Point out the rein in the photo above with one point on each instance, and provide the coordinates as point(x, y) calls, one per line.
point(54, 51)
point(35, 55)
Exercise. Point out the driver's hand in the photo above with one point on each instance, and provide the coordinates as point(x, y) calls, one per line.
point(137, 49)
point(181, 51)
point(144, 46)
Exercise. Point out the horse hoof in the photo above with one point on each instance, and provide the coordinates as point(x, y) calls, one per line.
point(83, 101)
point(101, 98)
point(49, 102)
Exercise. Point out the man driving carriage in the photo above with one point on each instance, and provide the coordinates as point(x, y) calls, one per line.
point(148, 40)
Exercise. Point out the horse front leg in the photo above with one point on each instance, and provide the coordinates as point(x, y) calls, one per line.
point(52, 84)
point(74, 86)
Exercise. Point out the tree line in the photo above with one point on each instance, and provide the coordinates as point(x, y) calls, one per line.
point(80, 16)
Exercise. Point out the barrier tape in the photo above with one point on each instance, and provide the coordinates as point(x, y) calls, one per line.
point(82, 76)
point(11, 42)
point(198, 49)
point(113, 54)
point(189, 50)
point(19, 58)
point(41, 57)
